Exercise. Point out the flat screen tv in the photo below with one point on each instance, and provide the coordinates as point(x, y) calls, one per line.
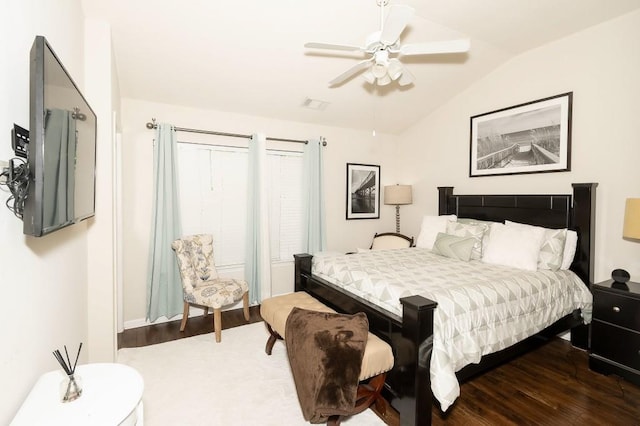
point(62, 148)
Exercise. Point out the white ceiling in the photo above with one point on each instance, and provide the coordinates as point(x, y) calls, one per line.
point(247, 56)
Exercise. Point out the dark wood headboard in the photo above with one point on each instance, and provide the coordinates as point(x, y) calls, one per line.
point(576, 211)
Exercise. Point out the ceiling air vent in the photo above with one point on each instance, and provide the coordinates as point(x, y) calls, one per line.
point(315, 104)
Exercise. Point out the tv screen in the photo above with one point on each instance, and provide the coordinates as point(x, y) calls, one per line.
point(62, 148)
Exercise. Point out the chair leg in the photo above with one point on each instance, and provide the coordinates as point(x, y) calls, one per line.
point(185, 316)
point(206, 311)
point(245, 305)
point(217, 323)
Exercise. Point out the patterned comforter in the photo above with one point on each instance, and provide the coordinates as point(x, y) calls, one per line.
point(482, 308)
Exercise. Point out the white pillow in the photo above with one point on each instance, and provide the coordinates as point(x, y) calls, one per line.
point(514, 246)
point(551, 248)
point(430, 227)
point(570, 246)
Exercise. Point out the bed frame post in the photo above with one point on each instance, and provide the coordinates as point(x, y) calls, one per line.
point(584, 222)
point(415, 403)
point(444, 194)
point(302, 269)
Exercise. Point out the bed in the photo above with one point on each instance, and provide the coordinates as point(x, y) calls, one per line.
point(409, 329)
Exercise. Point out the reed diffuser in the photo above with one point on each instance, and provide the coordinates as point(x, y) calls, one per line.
point(71, 387)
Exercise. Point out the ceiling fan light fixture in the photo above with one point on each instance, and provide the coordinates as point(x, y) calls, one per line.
point(384, 80)
point(369, 77)
point(379, 69)
point(394, 69)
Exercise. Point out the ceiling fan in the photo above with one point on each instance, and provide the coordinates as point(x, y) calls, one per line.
point(382, 66)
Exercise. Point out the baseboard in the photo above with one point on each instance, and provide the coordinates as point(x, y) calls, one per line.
point(193, 312)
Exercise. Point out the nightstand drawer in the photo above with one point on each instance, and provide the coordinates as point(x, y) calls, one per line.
point(616, 344)
point(617, 309)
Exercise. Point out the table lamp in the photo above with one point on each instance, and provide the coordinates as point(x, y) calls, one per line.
point(631, 227)
point(631, 230)
point(397, 195)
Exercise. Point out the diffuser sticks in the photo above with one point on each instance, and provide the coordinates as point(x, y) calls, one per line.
point(70, 389)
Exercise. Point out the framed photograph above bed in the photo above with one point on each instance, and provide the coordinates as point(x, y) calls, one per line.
point(363, 191)
point(534, 137)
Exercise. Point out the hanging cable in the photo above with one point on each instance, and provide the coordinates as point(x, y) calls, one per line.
point(16, 179)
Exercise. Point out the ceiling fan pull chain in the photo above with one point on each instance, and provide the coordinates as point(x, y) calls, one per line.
point(382, 4)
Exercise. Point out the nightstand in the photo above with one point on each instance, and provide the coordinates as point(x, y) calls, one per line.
point(615, 330)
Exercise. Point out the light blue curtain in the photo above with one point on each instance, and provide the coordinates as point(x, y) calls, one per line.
point(257, 267)
point(164, 289)
point(60, 144)
point(314, 231)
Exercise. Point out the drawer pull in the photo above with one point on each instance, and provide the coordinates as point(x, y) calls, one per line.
point(616, 309)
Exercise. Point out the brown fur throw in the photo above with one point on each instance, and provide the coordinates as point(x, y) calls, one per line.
point(325, 353)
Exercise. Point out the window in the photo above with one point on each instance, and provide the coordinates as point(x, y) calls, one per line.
point(213, 191)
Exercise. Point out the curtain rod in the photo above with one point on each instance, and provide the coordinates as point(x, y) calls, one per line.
point(152, 125)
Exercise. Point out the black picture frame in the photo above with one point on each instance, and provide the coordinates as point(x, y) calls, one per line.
point(534, 137)
point(363, 191)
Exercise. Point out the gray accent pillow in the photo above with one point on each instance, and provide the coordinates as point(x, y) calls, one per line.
point(453, 246)
point(476, 231)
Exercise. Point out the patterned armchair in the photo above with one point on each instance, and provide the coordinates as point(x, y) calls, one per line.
point(201, 284)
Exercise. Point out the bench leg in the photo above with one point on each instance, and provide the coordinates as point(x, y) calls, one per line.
point(273, 336)
point(368, 393)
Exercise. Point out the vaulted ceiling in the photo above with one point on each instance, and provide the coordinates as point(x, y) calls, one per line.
point(248, 56)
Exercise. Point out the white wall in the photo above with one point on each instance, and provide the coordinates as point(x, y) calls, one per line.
point(344, 145)
point(601, 66)
point(100, 92)
point(48, 282)
point(43, 279)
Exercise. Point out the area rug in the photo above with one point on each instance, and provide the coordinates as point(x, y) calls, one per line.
point(195, 381)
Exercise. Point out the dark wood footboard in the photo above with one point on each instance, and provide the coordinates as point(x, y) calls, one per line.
point(408, 385)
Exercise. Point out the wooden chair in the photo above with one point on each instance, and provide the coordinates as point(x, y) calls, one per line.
point(390, 240)
point(201, 284)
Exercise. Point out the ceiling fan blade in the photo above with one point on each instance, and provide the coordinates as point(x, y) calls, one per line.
point(333, 47)
point(360, 66)
point(397, 19)
point(436, 47)
point(406, 78)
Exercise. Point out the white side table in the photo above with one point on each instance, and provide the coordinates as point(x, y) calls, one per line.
point(111, 395)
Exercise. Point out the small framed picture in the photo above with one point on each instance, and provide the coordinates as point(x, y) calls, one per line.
point(534, 137)
point(363, 191)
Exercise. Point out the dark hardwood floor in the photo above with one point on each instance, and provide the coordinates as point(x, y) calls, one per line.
point(549, 386)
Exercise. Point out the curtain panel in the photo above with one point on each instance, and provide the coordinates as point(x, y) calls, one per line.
point(257, 268)
point(164, 288)
point(314, 231)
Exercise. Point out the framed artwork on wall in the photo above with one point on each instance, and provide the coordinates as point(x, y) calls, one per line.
point(363, 191)
point(534, 137)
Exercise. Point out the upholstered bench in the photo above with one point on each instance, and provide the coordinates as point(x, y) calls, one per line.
point(377, 359)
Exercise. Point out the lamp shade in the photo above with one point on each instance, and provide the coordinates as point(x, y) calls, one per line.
point(397, 194)
point(631, 218)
